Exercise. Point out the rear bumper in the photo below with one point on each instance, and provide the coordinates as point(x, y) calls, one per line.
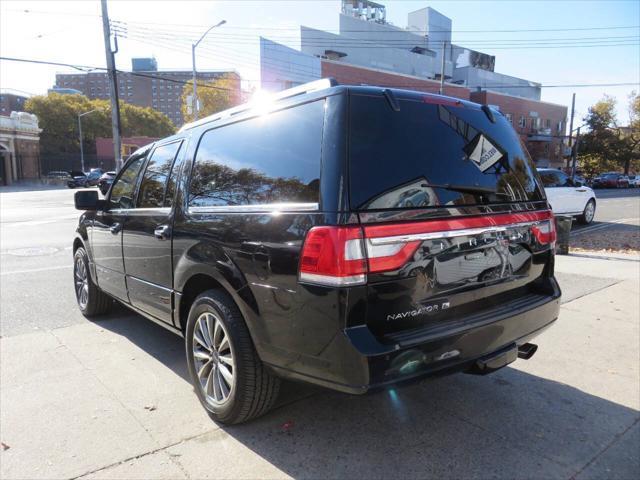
point(455, 348)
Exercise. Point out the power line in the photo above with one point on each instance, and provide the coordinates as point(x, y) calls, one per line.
point(295, 28)
point(400, 30)
point(230, 39)
point(103, 69)
point(124, 27)
point(160, 77)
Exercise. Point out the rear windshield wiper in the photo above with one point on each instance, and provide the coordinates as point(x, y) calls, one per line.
point(465, 189)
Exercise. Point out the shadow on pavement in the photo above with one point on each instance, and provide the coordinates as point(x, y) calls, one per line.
point(509, 424)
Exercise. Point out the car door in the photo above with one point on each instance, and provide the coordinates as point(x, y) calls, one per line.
point(571, 197)
point(580, 195)
point(106, 234)
point(555, 190)
point(147, 234)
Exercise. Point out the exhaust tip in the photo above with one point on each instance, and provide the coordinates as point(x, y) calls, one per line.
point(527, 350)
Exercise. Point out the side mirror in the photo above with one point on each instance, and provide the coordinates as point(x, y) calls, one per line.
point(87, 200)
point(578, 183)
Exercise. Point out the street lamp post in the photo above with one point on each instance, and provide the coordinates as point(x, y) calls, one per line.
point(193, 59)
point(80, 115)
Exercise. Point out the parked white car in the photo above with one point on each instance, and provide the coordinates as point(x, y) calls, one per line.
point(634, 180)
point(567, 197)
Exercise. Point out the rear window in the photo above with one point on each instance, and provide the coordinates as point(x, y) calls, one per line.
point(428, 155)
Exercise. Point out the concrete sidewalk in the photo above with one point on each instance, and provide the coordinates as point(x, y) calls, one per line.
point(111, 399)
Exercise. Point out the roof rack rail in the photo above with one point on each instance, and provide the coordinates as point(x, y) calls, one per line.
point(284, 94)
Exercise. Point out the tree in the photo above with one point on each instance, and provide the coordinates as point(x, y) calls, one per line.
point(607, 144)
point(58, 117)
point(213, 97)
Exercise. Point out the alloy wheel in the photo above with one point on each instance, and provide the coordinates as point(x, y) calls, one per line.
point(213, 358)
point(589, 212)
point(81, 282)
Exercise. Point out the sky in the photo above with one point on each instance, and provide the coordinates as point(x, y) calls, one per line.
point(71, 32)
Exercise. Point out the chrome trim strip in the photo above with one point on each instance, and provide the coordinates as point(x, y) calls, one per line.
point(328, 280)
point(267, 208)
point(160, 210)
point(448, 233)
point(151, 284)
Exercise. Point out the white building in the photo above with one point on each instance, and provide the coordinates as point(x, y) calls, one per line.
point(19, 147)
point(366, 39)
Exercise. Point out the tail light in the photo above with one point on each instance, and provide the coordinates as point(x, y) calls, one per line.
point(333, 256)
point(343, 255)
point(545, 231)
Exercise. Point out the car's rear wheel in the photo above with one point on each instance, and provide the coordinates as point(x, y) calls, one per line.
point(229, 379)
point(91, 300)
point(588, 213)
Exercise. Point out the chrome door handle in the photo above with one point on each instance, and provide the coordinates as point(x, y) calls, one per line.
point(115, 228)
point(581, 190)
point(162, 232)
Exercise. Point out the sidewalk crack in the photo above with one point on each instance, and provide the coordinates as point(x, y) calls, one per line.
point(615, 439)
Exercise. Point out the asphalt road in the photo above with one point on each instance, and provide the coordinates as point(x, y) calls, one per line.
point(616, 204)
point(111, 399)
point(36, 231)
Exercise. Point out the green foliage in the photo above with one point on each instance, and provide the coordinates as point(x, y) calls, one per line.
point(213, 97)
point(216, 184)
point(607, 145)
point(58, 118)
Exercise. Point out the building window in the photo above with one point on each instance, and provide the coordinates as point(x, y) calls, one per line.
point(547, 123)
point(523, 122)
point(509, 118)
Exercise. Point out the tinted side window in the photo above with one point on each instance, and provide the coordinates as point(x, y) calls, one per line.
point(155, 176)
point(268, 159)
point(548, 179)
point(123, 189)
point(563, 180)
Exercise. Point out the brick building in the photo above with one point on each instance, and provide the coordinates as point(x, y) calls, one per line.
point(104, 147)
point(145, 86)
point(11, 102)
point(352, 75)
point(541, 125)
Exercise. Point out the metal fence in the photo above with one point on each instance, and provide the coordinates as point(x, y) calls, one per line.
point(71, 161)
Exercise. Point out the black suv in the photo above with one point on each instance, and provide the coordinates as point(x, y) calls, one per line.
point(350, 237)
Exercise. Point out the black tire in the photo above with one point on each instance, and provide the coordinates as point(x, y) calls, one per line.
point(254, 390)
point(586, 218)
point(97, 302)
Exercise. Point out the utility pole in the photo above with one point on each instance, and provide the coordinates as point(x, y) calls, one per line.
point(573, 109)
point(574, 155)
point(444, 46)
point(81, 147)
point(113, 86)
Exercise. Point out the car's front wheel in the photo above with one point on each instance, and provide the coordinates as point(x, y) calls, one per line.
point(588, 213)
point(229, 379)
point(91, 300)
